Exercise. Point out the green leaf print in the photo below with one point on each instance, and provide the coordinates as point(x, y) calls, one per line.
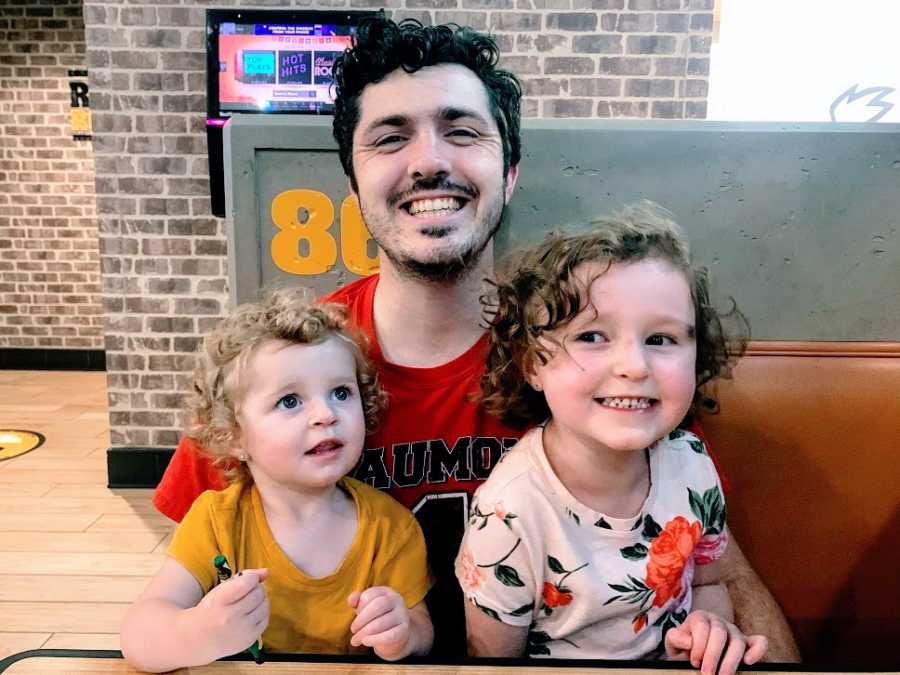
point(602, 523)
point(539, 637)
point(636, 552)
point(555, 565)
point(487, 610)
point(507, 575)
point(524, 609)
point(651, 528)
point(574, 516)
point(697, 447)
point(676, 434)
point(710, 509)
point(537, 650)
point(697, 506)
point(715, 509)
point(636, 593)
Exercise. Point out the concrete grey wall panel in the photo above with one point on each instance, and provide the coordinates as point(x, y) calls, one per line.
point(800, 223)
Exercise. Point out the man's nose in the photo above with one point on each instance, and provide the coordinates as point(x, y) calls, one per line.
point(428, 157)
point(630, 360)
point(321, 413)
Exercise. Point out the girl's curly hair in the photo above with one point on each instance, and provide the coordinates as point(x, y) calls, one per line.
point(539, 293)
point(287, 314)
point(382, 46)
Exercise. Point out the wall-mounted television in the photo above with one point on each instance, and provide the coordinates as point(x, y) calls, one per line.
point(269, 62)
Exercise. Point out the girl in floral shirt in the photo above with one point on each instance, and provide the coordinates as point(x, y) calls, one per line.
point(597, 536)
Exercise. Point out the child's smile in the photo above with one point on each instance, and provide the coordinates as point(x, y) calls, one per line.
point(626, 402)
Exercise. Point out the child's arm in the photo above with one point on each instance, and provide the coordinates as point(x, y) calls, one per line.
point(173, 625)
point(709, 634)
point(489, 637)
point(384, 623)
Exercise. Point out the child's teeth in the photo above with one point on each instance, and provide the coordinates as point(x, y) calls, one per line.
point(627, 403)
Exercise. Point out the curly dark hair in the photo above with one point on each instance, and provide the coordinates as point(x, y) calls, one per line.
point(539, 293)
point(381, 46)
point(288, 314)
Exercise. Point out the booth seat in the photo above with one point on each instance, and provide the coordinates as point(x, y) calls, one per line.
point(808, 435)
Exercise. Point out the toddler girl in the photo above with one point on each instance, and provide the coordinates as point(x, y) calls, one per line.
point(283, 397)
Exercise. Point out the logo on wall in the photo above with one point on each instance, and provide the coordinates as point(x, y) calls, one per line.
point(15, 442)
point(868, 105)
point(81, 109)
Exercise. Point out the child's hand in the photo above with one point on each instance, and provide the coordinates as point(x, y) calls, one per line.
point(234, 613)
point(382, 622)
point(704, 637)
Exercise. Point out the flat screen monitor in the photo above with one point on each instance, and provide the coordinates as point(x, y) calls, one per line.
point(269, 62)
point(274, 61)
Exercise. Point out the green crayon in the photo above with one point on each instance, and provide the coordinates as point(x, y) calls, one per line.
point(223, 571)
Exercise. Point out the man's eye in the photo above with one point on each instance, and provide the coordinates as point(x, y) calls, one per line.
point(342, 393)
point(463, 133)
point(288, 402)
point(590, 337)
point(388, 140)
point(660, 340)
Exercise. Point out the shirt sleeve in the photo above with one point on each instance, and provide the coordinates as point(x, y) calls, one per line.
point(695, 428)
point(194, 544)
point(188, 475)
point(405, 568)
point(494, 566)
point(709, 504)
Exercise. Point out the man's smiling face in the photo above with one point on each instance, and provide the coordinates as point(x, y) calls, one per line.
point(428, 161)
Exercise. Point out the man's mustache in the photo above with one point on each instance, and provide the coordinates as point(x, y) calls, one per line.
point(428, 184)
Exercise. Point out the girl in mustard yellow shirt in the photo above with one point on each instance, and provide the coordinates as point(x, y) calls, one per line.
point(283, 397)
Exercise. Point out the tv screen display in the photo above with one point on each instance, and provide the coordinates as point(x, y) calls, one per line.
point(274, 61)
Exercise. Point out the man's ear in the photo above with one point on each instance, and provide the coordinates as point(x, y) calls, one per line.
point(511, 177)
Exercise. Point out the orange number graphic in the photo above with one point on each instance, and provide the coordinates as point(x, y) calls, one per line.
point(322, 248)
point(355, 240)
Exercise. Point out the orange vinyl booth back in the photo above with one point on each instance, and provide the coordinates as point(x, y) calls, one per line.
point(807, 434)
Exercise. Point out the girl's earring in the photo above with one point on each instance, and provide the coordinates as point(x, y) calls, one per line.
point(243, 457)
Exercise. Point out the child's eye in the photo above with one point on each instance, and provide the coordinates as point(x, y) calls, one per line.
point(660, 340)
point(591, 337)
point(342, 393)
point(288, 402)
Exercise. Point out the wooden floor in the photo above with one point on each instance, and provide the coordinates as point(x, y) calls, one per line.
point(73, 553)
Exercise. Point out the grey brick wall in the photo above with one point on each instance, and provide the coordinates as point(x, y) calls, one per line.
point(163, 256)
point(49, 263)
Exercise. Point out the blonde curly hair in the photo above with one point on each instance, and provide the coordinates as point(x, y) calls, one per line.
point(288, 314)
point(539, 293)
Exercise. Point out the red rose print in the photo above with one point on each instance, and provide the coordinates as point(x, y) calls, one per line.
point(669, 554)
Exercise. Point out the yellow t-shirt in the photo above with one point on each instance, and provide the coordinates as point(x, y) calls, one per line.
point(307, 615)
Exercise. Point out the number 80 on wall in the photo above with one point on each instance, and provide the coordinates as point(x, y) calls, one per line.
point(321, 247)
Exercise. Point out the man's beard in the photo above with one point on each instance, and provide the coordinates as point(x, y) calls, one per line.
point(453, 268)
point(457, 265)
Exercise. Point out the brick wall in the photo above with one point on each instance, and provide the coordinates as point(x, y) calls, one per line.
point(163, 256)
point(49, 263)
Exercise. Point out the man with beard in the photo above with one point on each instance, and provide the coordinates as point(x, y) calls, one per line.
point(428, 134)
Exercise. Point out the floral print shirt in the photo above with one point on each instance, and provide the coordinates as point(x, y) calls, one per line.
point(585, 584)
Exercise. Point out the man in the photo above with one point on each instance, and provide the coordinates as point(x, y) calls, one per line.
point(428, 135)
